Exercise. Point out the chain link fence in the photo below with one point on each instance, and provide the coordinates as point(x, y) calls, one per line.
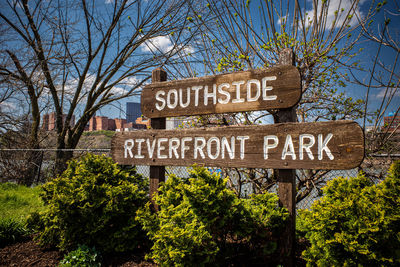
point(243, 181)
point(248, 187)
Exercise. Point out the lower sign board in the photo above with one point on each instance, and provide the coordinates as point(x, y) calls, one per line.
point(318, 145)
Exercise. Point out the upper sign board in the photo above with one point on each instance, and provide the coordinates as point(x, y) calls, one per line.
point(319, 145)
point(274, 88)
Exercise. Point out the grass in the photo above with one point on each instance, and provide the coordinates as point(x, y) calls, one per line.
point(18, 201)
point(108, 134)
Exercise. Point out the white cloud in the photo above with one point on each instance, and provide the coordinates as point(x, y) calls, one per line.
point(188, 49)
point(159, 43)
point(128, 83)
point(164, 44)
point(282, 19)
point(116, 90)
point(9, 106)
point(72, 84)
point(391, 91)
point(336, 9)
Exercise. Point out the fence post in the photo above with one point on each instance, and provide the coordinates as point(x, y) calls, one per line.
point(287, 179)
point(157, 173)
point(40, 166)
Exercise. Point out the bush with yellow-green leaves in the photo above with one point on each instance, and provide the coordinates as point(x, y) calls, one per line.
point(355, 223)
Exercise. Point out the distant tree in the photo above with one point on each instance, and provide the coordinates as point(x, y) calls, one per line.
point(16, 129)
point(81, 55)
point(381, 80)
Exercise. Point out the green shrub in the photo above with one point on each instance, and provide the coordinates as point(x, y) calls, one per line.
point(82, 256)
point(11, 231)
point(356, 223)
point(93, 202)
point(265, 225)
point(201, 222)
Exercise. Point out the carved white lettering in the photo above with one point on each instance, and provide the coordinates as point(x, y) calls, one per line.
point(306, 146)
point(161, 148)
point(230, 148)
point(198, 149)
point(238, 99)
point(208, 95)
point(225, 93)
point(258, 90)
point(242, 140)
point(150, 148)
point(288, 149)
point(128, 148)
point(181, 104)
point(196, 90)
point(173, 147)
point(139, 150)
point(268, 146)
point(184, 147)
point(173, 104)
point(159, 98)
point(266, 88)
point(217, 147)
point(323, 146)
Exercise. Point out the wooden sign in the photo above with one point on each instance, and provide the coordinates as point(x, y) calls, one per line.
point(318, 145)
point(274, 88)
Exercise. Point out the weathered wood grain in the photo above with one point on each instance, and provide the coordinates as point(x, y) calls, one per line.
point(157, 173)
point(286, 88)
point(346, 146)
point(287, 179)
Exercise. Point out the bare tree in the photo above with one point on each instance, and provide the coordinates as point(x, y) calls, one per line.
point(87, 54)
point(381, 81)
point(251, 34)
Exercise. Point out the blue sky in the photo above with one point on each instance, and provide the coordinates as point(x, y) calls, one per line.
point(366, 59)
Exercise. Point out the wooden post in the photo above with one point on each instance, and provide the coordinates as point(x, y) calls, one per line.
point(287, 179)
point(157, 173)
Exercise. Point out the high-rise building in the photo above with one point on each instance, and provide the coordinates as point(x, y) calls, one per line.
point(133, 111)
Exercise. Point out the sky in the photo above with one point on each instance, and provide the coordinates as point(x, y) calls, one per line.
point(386, 56)
point(366, 57)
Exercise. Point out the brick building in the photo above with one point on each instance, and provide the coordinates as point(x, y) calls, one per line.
point(49, 121)
point(119, 123)
point(143, 121)
point(391, 123)
point(97, 123)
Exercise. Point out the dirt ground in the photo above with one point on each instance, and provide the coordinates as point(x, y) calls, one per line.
point(28, 253)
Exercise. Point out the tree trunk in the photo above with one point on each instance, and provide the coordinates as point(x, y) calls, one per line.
point(32, 165)
point(62, 158)
point(65, 152)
